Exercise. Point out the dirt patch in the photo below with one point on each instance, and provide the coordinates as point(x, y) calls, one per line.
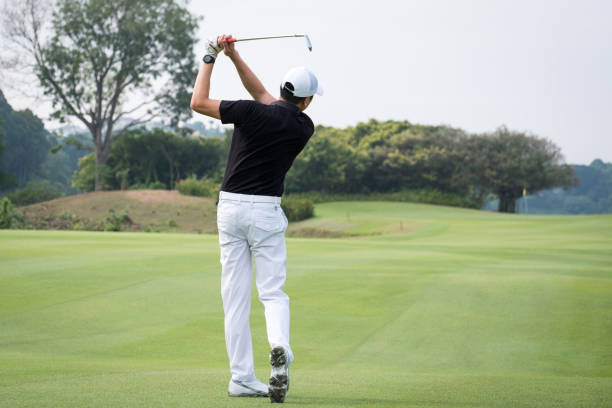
point(162, 196)
point(147, 210)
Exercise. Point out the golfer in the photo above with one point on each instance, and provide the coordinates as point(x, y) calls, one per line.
point(268, 134)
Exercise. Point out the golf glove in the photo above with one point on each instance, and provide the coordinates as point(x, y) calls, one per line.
point(212, 47)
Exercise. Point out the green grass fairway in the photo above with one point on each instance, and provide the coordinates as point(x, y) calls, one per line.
point(433, 307)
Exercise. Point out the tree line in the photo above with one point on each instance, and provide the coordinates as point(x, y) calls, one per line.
point(370, 158)
point(391, 156)
point(373, 157)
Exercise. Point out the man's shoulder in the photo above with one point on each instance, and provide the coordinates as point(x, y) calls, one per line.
point(308, 122)
point(239, 111)
point(241, 103)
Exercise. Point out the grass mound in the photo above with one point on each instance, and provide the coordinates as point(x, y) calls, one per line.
point(147, 210)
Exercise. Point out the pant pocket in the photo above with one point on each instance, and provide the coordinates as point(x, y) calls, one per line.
point(227, 215)
point(271, 221)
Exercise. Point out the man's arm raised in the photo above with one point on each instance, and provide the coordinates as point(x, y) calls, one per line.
point(250, 81)
point(200, 101)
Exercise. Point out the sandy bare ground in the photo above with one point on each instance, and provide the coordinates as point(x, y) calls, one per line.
point(160, 196)
point(143, 196)
point(154, 210)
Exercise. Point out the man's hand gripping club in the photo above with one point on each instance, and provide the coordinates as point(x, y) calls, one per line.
point(200, 101)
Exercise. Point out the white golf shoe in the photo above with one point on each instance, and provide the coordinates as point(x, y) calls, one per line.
point(279, 378)
point(251, 388)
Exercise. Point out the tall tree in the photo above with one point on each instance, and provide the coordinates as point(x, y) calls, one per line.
point(104, 60)
point(508, 162)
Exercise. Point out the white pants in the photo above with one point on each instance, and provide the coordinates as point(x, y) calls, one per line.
point(251, 225)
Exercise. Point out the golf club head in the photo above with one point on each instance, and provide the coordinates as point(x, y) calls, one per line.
point(308, 43)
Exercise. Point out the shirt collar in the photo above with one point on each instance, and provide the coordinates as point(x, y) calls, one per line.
point(287, 105)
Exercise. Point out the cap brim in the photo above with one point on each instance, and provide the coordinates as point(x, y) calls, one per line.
point(319, 90)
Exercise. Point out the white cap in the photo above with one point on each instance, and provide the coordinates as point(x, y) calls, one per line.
point(303, 81)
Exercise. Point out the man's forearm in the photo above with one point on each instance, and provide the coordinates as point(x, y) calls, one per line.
point(250, 81)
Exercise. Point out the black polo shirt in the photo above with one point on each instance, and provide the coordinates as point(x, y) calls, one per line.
point(267, 138)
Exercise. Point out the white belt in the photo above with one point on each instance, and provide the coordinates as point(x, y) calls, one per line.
point(223, 195)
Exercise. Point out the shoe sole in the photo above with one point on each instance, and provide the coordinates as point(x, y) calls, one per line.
point(279, 378)
point(247, 395)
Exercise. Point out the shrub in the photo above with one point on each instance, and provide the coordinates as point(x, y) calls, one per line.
point(157, 185)
point(64, 221)
point(154, 185)
point(115, 222)
point(201, 188)
point(7, 213)
point(34, 192)
point(297, 209)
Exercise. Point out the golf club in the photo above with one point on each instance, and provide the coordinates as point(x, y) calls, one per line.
point(308, 43)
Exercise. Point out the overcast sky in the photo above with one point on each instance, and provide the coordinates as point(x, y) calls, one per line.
point(540, 66)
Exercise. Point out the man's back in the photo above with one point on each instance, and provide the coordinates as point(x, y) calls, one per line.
point(266, 141)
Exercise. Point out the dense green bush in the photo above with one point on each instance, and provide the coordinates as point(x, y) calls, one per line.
point(115, 222)
point(8, 215)
point(199, 188)
point(297, 209)
point(34, 192)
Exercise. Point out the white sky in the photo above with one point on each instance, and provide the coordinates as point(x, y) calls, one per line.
point(541, 66)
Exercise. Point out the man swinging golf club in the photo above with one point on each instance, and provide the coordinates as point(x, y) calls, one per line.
point(268, 135)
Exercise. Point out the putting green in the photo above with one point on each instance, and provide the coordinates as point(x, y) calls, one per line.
point(433, 307)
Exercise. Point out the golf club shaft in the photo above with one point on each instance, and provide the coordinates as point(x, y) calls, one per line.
point(264, 38)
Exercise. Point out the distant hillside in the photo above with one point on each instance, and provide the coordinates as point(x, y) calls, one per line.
point(593, 194)
point(139, 210)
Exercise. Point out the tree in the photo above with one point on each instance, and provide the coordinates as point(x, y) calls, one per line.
point(35, 191)
point(143, 157)
point(85, 177)
point(593, 194)
point(104, 60)
point(26, 143)
point(5, 178)
point(322, 165)
point(507, 162)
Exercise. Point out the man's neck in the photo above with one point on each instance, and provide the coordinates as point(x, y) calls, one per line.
point(288, 104)
point(292, 104)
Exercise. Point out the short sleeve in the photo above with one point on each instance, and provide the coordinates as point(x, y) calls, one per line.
point(236, 112)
